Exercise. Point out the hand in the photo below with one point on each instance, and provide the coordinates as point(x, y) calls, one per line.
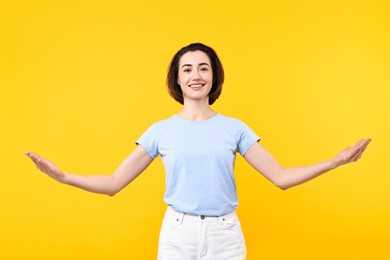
point(46, 166)
point(352, 153)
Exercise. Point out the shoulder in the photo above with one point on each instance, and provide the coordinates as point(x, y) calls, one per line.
point(238, 126)
point(157, 128)
point(165, 122)
point(231, 120)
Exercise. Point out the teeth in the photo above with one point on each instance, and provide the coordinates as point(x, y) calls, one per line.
point(196, 86)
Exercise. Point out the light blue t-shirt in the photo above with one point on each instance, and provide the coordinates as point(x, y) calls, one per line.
point(199, 157)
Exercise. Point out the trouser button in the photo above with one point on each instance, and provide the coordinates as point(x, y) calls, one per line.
point(202, 217)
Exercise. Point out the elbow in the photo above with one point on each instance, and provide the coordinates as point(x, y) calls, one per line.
point(279, 178)
point(113, 188)
point(281, 184)
point(111, 193)
point(282, 187)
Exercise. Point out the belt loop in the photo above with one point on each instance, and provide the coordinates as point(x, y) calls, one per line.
point(181, 217)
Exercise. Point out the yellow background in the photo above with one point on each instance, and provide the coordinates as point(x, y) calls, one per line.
point(80, 81)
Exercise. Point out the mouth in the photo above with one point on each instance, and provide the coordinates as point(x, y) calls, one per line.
point(196, 86)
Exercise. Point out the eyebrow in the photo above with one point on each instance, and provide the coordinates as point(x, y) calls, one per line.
point(200, 64)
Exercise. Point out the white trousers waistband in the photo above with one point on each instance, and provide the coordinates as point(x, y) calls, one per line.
point(180, 216)
point(191, 237)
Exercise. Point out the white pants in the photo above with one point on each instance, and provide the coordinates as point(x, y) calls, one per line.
point(189, 237)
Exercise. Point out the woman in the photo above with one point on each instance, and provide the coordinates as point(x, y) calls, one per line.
point(198, 147)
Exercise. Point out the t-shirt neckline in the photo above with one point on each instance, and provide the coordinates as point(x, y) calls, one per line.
point(176, 116)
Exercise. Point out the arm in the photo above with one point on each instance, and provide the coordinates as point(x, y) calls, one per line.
point(285, 178)
point(127, 171)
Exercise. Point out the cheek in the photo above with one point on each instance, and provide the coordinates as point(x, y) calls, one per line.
point(182, 79)
point(179, 78)
point(209, 77)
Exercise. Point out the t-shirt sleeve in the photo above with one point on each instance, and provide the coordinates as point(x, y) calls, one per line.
point(246, 138)
point(149, 141)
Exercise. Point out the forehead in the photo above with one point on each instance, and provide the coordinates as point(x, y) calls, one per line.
point(194, 57)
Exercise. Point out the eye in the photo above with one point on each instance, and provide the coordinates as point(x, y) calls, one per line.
point(204, 69)
point(187, 70)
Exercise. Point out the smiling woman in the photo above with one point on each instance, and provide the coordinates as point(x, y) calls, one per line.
point(207, 62)
point(195, 76)
point(198, 147)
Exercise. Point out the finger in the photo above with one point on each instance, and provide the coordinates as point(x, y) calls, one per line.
point(356, 157)
point(39, 162)
point(351, 151)
point(44, 166)
point(364, 145)
point(36, 161)
point(39, 167)
point(35, 156)
point(360, 152)
point(368, 141)
point(32, 156)
point(359, 145)
point(28, 154)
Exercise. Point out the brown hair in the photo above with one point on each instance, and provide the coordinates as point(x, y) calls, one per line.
point(216, 66)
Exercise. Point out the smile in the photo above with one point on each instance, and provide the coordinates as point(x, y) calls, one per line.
point(196, 86)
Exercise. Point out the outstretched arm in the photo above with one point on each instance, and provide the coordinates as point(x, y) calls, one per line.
point(127, 171)
point(286, 178)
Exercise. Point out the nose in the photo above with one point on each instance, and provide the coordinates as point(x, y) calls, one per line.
point(196, 75)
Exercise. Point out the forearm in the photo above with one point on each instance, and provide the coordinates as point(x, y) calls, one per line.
point(294, 176)
point(127, 171)
point(103, 184)
point(290, 177)
point(286, 178)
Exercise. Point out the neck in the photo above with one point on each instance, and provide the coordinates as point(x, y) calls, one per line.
point(196, 111)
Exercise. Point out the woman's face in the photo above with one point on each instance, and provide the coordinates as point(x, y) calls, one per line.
point(195, 75)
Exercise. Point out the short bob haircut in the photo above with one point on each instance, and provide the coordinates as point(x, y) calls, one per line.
point(216, 66)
